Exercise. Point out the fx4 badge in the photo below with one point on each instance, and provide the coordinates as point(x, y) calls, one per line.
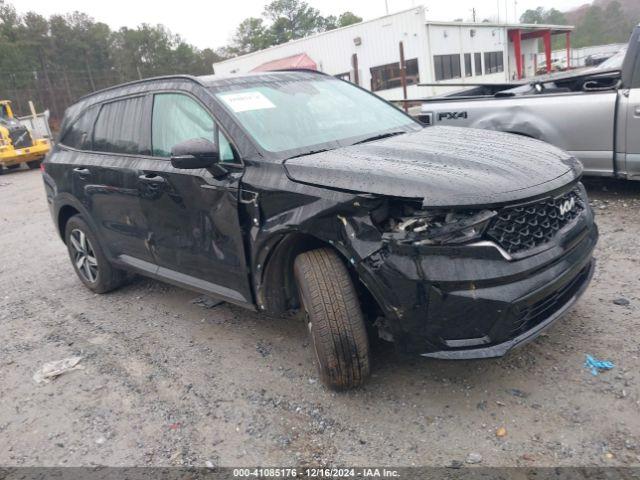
point(451, 115)
point(567, 206)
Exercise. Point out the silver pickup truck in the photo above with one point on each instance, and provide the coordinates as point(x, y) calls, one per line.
point(594, 115)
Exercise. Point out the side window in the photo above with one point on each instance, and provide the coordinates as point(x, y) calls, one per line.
point(120, 127)
point(78, 135)
point(177, 118)
point(226, 152)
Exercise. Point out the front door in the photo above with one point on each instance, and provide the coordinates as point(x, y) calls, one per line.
point(195, 233)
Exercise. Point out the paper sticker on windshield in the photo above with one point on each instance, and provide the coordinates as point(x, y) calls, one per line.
point(246, 101)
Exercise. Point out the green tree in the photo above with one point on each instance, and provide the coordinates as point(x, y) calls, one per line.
point(292, 19)
point(251, 35)
point(332, 22)
point(533, 16)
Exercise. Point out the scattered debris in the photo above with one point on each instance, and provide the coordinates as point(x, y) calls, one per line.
point(518, 393)
point(175, 426)
point(263, 348)
point(206, 302)
point(501, 432)
point(621, 301)
point(100, 440)
point(474, 458)
point(596, 365)
point(51, 370)
point(455, 464)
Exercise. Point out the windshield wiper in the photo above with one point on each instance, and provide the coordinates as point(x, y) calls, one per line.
point(309, 153)
point(380, 137)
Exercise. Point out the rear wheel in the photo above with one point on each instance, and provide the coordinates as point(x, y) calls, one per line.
point(88, 259)
point(334, 317)
point(34, 164)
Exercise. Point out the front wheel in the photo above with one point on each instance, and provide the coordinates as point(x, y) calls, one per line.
point(334, 317)
point(34, 164)
point(88, 259)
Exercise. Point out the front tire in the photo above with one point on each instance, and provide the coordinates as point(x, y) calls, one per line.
point(88, 259)
point(335, 319)
point(34, 164)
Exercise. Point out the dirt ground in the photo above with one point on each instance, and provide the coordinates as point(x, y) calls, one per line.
point(169, 382)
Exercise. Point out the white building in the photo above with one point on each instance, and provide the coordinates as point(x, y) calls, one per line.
point(368, 53)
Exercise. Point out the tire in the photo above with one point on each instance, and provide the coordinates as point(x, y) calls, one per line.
point(335, 320)
point(104, 277)
point(34, 164)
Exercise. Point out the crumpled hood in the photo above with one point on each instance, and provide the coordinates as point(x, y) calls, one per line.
point(445, 166)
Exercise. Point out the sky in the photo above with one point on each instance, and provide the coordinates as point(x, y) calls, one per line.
point(211, 24)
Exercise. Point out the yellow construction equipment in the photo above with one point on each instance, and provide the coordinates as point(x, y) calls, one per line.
point(17, 144)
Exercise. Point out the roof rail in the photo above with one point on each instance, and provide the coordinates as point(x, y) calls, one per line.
point(143, 80)
point(308, 70)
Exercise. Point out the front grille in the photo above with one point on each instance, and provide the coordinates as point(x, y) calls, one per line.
point(520, 228)
point(20, 137)
point(529, 316)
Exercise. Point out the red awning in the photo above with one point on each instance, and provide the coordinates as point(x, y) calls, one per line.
point(300, 61)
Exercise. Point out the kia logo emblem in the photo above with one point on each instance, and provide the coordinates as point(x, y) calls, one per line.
point(566, 206)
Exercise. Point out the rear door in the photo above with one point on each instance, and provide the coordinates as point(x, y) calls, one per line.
point(108, 177)
point(195, 233)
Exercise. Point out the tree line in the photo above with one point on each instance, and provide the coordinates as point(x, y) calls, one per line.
point(599, 25)
point(55, 60)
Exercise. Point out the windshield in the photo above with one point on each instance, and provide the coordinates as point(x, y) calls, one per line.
point(613, 63)
point(301, 111)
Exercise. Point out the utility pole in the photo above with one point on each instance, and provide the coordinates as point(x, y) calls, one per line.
point(515, 10)
point(386, 6)
point(473, 12)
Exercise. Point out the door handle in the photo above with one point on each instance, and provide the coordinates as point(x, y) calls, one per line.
point(81, 171)
point(152, 178)
point(636, 112)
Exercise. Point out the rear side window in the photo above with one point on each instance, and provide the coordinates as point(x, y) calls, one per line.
point(78, 135)
point(120, 127)
point(178, 118)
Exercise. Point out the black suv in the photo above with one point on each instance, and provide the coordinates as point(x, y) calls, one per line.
point(288, 190)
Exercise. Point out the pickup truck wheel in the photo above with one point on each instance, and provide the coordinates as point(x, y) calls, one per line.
point(34, 164)
point(88, 259)
point(334, 317)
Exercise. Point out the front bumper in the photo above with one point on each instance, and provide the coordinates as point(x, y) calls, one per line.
point(471, 302)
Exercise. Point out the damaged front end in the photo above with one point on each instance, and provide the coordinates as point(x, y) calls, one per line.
point(434, 280)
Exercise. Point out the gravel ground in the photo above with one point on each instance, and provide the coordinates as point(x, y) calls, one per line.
point(167, 381)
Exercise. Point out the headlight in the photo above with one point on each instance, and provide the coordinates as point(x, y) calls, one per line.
point(435, 227)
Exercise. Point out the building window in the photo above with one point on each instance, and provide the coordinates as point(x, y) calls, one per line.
point(467, 65)
point(344, 76)
point(447, 66)
point(388, 76)
point(493, 62)
point(478, 61)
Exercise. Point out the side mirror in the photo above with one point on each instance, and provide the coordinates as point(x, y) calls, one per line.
point(195, 153)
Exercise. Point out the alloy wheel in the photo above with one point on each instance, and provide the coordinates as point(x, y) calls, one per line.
point(84, 257)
